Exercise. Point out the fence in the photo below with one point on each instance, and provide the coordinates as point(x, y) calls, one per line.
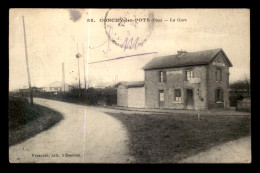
point(244, 105)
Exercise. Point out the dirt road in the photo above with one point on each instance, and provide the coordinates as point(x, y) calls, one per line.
point(86, 135)
point(238, 151)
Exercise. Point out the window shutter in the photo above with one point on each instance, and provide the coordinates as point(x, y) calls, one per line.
point(164, 77)
point(216, 73)
point(220, 74)
point(216, 95)
point(221, 95)
point(191, 74)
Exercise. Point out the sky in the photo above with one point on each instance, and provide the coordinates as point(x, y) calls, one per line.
point(55, 36)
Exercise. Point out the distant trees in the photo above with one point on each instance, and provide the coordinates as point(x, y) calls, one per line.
point(239, 90)
point(91, 96)
point(101, 96)
point(242, 85)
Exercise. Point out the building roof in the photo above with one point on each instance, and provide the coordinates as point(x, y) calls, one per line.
point(104, 85)
point(185, 59)
point(130, 84)
point(57, 84)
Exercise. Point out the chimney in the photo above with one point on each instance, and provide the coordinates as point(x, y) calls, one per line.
point(181, 52)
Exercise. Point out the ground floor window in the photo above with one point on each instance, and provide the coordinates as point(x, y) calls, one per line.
point(177, 95)
point(219, 95)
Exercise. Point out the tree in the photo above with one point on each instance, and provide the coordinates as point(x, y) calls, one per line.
point(243, 84)
point(89, 82)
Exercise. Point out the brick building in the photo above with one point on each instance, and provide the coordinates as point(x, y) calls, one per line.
point(194, 80)
point(187, 80)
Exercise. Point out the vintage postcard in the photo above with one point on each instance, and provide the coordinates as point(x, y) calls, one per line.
point(129, 86)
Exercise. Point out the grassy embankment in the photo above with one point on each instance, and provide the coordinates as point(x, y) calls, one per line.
point(165, 138)
point(26, 121)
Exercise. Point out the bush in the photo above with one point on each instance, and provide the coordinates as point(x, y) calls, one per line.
point(92, 96)
point(234, 99)
point(16, 111)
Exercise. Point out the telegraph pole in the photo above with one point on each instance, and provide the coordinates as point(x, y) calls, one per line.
point(78, 56)
point(79, 72)
point(84, 66)
point(27, 65)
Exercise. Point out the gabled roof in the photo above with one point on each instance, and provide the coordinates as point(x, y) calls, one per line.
point(186, 59)
point(130, 84)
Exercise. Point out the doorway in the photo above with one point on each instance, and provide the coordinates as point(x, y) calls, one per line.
point(189, 99)
point(161, 98)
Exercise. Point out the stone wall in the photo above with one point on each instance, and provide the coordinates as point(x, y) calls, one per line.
point(122, 96)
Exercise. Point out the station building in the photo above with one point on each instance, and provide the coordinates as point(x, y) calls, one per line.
point(186, 80)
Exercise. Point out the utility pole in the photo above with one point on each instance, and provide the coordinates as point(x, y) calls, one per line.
point(84, 66)
point(78, 56)
point(27, 65)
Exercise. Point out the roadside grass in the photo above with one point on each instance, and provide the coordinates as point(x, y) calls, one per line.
point(168, 138)
point(26, 121)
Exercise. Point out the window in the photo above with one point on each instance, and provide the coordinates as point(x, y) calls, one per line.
point(189, 74)
point(218, 75)
point(219, 95)
point(177, 95)
point(162, 77)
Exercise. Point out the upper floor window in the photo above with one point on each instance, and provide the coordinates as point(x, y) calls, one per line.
point(162, 77)
point(189, 74)
point(218, 75)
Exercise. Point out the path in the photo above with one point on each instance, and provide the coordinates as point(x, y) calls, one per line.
point(105, 138)
point(238, 151)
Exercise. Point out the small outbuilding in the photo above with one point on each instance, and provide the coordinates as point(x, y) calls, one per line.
point(131, 94)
